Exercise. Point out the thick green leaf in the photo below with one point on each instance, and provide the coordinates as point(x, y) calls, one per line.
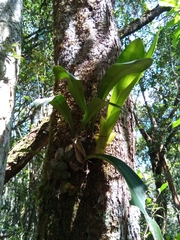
point(163, 187)
point(130, 53)
point(171, 23)
point(137, 189)
point(111, 120)
point(117, 71)
point(135, 184)
point(60, 104)
point(178, 236)
point(119, 94)
point(123, 88)
point(106, 128)
point(93, 108)
point(75, 86)
point(176, 36)
point(121, 91)
point(102, 137)
point(76, 90)
point(62, 73)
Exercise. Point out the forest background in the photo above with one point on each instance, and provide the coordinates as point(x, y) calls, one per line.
point(156, 106)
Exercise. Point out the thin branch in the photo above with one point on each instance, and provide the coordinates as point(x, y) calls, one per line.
point(152, 119)
point(138, 23)
point(170, 181)
point(176, 81)
point(143, 132)
point(170, 136)
point(175, 104)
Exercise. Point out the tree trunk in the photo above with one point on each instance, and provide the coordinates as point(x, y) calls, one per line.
point(10, 33)
point(89, 201)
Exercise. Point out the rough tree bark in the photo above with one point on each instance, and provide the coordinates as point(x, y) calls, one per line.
point(10, 33)
point(94, 202)
point(19, 158)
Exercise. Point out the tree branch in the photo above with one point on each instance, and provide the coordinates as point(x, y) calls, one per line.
point(143, 132)
point(149, 110)
point(32, 143)
point(138, 23)
point(170, 181)
point(170, 135)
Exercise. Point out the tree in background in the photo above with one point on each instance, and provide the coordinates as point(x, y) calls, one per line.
point(160, 91)
point(10, 45)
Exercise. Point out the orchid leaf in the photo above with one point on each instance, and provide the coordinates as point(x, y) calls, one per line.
point(60, 104)
point(76, 90)
point(128, 54)
point(117, 71)
point(75, 86)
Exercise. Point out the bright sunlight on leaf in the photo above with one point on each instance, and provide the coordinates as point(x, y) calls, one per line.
point(176, 123)
point(117, 71)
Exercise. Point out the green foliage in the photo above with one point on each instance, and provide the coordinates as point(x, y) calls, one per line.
point(117, 72)
point(19, 203)
point(163, 187)
point(127, 11)
point(169, 3)
point(157, 108)
point(127, 74)
point(153, 207)
point(175, 21)
point(18, 218)
point(123, 87)
point(36, 78)
point(176, 123)
point(113, 75)
point(121, 77)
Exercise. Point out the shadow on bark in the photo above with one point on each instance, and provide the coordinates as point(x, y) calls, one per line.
point(89, 221)
point(80, 211)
